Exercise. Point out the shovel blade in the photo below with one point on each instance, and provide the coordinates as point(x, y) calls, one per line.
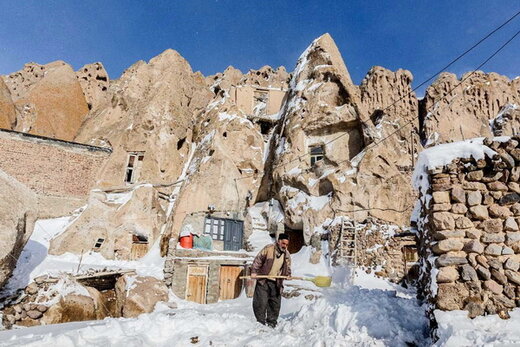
point(321, 281)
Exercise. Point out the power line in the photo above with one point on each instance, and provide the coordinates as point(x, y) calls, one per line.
point(374, 144)
point(424, 82)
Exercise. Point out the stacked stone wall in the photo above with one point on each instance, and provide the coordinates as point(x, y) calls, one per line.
point(469, 233)
point(380, 247)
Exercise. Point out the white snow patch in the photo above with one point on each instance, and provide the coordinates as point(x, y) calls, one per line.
point(456, 329)
point(443, 154)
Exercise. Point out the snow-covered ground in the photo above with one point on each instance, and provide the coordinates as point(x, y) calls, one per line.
point(342, 315)
point(369, 312)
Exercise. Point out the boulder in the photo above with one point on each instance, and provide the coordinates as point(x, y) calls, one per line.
point(447, 274)
point(479, 212)
point(474, 198)
point(443, 221)
point(458, 194)
point(451, 296)
point(497, 211)
point(468, 273)
point(449, 260)
point(493, 286)
point(139, 294)
point(492, 225)
point(473, 246)
point(493, 249)
point(513, 276)
point(49, 100)
point(447, 245)
point(459, 208)
point(441, 197)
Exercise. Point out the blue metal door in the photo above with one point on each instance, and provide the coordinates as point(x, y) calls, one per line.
point(233, 231)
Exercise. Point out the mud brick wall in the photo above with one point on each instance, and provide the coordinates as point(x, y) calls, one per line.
point(50, 167)
point(470, 237)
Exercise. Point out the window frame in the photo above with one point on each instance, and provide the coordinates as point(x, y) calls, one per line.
point(216, 228)
point(133, 163)
point(315, 157)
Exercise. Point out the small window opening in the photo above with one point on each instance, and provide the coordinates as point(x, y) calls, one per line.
point(139, 239)
point(180, 143)
point(135, 160)
point(224, 134)
point(98, 244)
point(317, 154)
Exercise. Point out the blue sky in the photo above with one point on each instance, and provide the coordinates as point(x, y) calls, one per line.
point(421, 36)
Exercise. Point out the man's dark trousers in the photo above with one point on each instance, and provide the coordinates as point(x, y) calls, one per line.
point(266, 302)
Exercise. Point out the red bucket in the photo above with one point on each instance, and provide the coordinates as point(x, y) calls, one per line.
point(187, 241)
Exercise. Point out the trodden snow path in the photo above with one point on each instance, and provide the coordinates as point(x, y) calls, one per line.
point(341, 316)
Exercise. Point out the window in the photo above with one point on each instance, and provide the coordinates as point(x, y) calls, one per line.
point(317, 153)
point(214, 228)
point(260, 100)
point(98, 244)
point(135, 161)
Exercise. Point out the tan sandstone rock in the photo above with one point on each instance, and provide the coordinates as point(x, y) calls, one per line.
point(137, 294)
point(18, 212)
point(49, 100)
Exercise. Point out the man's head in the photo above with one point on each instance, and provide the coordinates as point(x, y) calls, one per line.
point(283, 241)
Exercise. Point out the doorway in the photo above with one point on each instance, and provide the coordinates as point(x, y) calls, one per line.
point(296, 241)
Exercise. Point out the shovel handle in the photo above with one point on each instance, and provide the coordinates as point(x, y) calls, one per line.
point(273, 277)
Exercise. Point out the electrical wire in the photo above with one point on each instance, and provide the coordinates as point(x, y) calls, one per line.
point(374, 144)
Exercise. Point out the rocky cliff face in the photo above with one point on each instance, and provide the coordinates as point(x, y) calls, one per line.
point(7, 110)
point(332, 148)
point(94, 82)
point(18, 211)
point(49, 100)
point(326, 112)
point(229, 150)
point(150, 110)
point(466, 111)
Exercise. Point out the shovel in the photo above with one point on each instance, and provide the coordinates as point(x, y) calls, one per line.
point(319, 281)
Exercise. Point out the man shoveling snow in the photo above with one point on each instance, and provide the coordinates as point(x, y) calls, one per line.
point(271, 262)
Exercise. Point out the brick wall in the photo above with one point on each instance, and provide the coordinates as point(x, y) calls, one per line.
point(50, 167)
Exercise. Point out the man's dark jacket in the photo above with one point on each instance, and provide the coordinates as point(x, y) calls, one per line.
point(264, 262)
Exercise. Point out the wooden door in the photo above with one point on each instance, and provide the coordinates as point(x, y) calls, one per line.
point(230, 284)
point(196, 284)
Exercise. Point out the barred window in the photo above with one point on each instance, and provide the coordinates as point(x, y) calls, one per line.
point(214, 228)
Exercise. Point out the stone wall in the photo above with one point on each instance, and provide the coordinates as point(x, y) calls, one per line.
point(469, 234)
point(176, 269)
point(381, 248)
point(51, 168)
